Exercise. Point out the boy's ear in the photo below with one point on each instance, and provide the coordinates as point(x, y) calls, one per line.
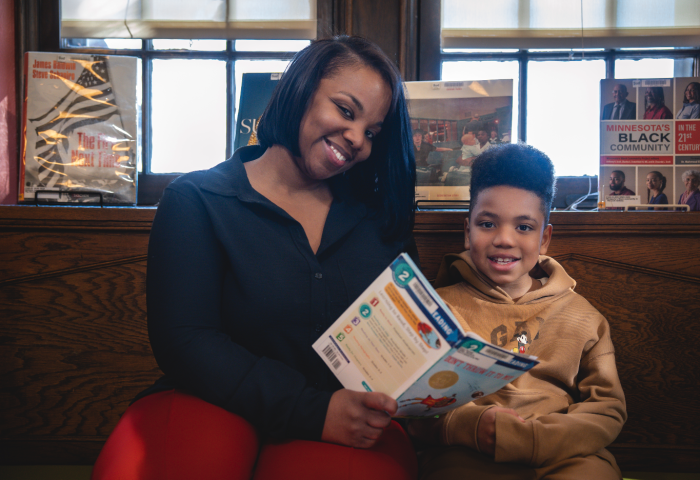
point(546, 238)
point(466, 233)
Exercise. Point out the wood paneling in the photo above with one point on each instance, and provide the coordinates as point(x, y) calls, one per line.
point(74, 349)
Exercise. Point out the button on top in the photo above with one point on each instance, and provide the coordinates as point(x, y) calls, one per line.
point(318, 275)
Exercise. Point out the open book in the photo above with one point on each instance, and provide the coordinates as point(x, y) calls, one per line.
point(401, 339)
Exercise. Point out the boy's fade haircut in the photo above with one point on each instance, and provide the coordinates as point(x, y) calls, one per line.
point(514, 165)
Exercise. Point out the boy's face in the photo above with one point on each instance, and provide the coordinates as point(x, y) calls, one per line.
point(506, 235)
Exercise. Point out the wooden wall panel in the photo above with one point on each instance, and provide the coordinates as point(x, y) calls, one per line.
point(74, 349)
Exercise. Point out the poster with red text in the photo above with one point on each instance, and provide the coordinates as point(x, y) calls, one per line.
point(650, 143)
point(81, 129)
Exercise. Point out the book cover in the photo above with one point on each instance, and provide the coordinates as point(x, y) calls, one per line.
point(453, 122)
point(401, 339)
point(649, 137)
point(256, 91)
point(81, 128)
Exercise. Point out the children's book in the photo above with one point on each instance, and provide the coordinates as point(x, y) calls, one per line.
point(401, 339)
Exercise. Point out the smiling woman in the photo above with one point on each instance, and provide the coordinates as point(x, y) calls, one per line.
point(280, 238)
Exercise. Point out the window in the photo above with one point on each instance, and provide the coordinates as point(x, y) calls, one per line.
point(191, 86)
point(557, 89)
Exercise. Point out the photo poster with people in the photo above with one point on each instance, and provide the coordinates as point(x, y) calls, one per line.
point(81, 129)
point(649, 143)
point(452, 122)
point(256, 91)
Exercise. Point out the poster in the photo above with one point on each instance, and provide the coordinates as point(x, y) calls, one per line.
point(81, 128)
point(256, 91)
point(452, 123)
point(649, 141)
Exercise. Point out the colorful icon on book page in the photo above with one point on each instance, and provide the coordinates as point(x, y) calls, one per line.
point(403, 274)
point(428, 335)
point(347, 329)
point(365, 310)
point(374, 302)
point(340, 336)
point(431, 402)
point(443, 379)
point(355, 321)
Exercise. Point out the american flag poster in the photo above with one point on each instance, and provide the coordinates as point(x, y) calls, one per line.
point(81, 120)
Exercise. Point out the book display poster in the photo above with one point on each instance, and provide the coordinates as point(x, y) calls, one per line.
point(81, 129)
point(256, 91)
point(649, 136)
point(452, 122)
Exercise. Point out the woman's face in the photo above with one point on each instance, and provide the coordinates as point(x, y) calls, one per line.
point(653, 182)
point(345, 114)
point(691, 183)
point(691, 94)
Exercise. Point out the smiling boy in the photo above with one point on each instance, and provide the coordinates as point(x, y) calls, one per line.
point(555, 420)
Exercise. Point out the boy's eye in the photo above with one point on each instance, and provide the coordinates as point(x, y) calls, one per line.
point(524, 228)
point(486, 224)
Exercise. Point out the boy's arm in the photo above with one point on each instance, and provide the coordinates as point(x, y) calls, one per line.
point(586, 427)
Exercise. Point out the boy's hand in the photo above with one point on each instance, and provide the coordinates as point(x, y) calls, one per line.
point(357, 419)
point(486, 430)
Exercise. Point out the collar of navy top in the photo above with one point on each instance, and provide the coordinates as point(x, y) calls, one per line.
point(229, 179)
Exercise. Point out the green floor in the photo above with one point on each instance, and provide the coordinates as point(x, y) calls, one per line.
point(79, 472)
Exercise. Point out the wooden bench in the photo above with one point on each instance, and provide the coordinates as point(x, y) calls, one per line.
point(74, 349)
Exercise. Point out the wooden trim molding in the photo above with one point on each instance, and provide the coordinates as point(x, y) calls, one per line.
point(75, 346)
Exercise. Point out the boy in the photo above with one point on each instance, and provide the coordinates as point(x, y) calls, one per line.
point(555, 420)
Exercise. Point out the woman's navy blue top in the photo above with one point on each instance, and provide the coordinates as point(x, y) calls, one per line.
point(236, 297)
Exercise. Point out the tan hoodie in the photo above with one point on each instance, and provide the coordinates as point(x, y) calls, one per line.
point(572, 402)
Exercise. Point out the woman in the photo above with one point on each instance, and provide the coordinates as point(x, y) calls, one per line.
point(691, 102)
point(655, 108)
point(691, 196)
point(656, 184)
point(251, 261)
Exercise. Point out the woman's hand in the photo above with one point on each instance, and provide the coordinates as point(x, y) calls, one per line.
point(486, 431)
point(357, 419)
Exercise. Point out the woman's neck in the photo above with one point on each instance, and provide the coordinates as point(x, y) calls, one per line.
point(654, 193)
point(277, 170)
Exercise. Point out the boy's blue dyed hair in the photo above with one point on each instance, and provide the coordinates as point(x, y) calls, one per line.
point(514, 165)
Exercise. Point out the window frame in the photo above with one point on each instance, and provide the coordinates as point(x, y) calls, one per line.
point(41, 32)
point(431, 56)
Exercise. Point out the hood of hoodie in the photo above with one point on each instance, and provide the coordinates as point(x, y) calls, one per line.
point(456, 268)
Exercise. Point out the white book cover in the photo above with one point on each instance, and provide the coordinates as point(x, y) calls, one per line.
point(401, 339)
point(81, 129)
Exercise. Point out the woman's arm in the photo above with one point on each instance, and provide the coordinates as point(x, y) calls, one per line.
point(185, 288)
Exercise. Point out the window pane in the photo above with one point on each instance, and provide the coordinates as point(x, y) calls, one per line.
point(654, 68)
point(271, 45)
point(487, 70)
point(110, 43)
point(188, 115)
point(201, 45)
point(644, 68)
point(563, 112)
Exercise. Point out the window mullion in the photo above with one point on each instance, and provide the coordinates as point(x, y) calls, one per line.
point(522, 107)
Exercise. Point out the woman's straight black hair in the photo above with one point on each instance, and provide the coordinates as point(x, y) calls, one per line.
point(386, 180)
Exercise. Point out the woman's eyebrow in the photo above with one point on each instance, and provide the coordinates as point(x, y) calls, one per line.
point(354, 99)
point(358, 104)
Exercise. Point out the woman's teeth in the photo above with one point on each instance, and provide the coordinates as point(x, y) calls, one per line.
point(338, 155)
